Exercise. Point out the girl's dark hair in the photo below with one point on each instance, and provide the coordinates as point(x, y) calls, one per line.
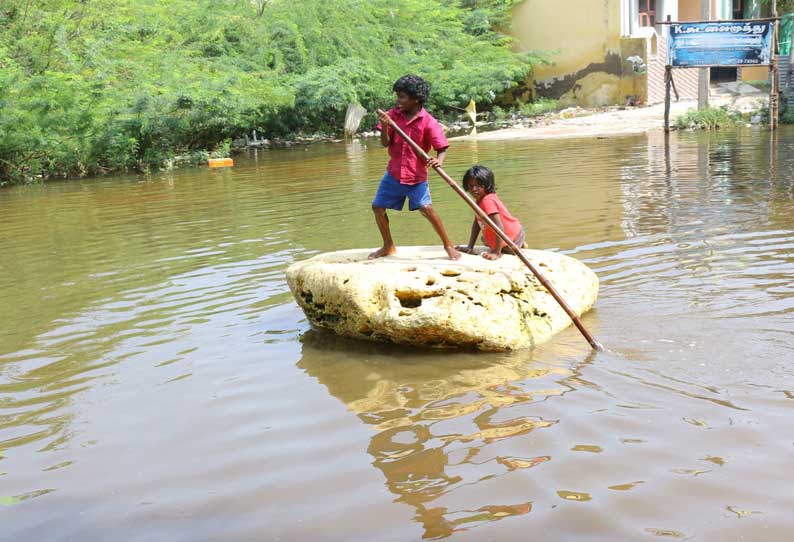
point(414, 86)
point(482, 175)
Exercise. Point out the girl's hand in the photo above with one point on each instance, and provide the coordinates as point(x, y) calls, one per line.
point(467, 250)
point(433, 162)
point(491, 255)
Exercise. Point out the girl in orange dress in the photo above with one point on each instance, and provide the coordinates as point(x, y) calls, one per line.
point(479, 182)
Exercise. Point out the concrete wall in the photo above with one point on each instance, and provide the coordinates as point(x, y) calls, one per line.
point(689, 10)
point(634, 84)
point(588, 42)
point(582, 39)
point(755, 73)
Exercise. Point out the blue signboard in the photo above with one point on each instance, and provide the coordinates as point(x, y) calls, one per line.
point(719, 43)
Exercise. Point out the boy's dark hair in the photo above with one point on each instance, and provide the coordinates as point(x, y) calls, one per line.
point(482, 175)
point(414, 86)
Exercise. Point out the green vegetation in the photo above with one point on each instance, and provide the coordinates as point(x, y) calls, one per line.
point(88, 87)
point(786, 112)
point(713, 118)
point(760, 84)
point(539, 107)
point(783, 6)
point(709, 118)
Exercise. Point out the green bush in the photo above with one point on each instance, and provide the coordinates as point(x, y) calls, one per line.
point(760, 84)
point(88, 87)
point(786, 112)
point(222, 149)
point(709, 118)
point(539, 107)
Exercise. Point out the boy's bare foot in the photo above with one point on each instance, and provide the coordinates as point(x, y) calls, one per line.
point(452, 253)
point(381, 252)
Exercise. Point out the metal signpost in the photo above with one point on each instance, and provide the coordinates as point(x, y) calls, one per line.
point(707, 44)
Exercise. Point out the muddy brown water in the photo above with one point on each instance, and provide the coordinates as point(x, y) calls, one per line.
point(157, 381)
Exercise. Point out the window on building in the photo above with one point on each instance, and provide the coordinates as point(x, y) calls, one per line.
point(647, 12)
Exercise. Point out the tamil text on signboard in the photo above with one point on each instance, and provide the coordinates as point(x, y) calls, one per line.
point(722, 43)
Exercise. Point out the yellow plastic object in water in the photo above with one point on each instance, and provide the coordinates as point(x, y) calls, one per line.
point(220, 162)
point(471, 109)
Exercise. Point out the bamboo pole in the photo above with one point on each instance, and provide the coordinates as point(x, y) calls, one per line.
point(668, 80)
point(509, 242)
point(704, 73)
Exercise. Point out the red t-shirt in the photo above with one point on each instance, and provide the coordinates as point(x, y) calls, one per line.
point(425, 130)
point(512, 227)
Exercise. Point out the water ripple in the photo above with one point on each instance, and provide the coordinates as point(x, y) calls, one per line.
point(151, 353)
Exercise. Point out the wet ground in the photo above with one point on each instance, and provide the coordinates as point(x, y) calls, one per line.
point(616, 121)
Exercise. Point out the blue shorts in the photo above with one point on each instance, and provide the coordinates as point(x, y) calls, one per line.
point(391, 194)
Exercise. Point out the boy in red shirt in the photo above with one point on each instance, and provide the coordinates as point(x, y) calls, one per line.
point(406, 174)
point(479, 182)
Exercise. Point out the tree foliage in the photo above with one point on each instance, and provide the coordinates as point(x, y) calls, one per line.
point(92, 86)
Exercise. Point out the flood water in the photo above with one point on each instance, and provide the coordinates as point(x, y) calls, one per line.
point(158, 382)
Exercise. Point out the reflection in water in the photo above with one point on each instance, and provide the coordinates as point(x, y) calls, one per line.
point(148, 350)
point(355, 154)
point(438, 421)
point(574, 495)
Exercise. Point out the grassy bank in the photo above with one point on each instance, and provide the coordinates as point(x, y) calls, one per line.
point(713, 118)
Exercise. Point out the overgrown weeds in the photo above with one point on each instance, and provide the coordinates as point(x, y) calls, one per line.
point(710, 118)
point(786, 112)
point(541, 106)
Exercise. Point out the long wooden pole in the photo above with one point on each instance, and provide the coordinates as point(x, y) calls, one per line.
point(704, 73)
point(509, 242)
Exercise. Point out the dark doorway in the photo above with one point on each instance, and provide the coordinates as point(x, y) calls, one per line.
point(723, 75)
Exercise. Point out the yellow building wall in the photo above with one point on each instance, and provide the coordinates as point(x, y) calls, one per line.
point(689, 10)
point(755, 73)
point(582, 40)
point(573, 33)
